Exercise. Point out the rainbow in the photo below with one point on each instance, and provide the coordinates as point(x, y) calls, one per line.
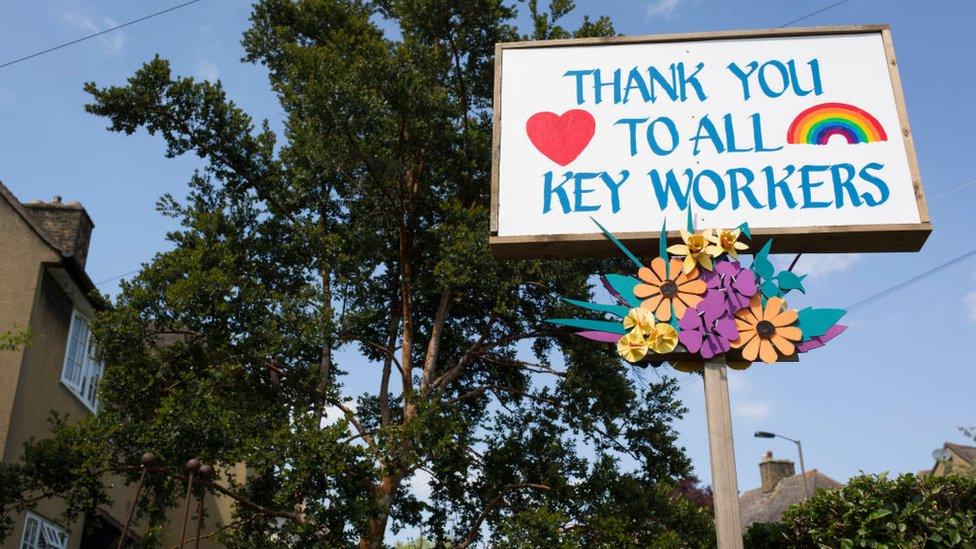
point(816, 125)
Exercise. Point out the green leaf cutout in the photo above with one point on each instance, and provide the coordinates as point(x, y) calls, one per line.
point(619, 244)
point(770, 289)
point(745, 230)
point(760, 263)
point(789, 280)
point(663, 248)
point(816, 322)
point(624, 285)
point(618, 310)
point(586, 324)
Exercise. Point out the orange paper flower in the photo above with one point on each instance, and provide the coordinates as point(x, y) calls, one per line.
point(682, 290)
point(764, 331)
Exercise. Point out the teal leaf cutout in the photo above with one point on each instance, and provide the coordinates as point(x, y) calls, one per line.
point(587, 324)
point(745, 230)
point(790, 281)
point(663, 243)
point(624, 285)
point(618, 310)
point(770, 289)
point(760, 263)
point(691, 221)
point(618, 244)
point(816, 322)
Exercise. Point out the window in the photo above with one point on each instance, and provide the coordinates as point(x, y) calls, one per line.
point(81, 371)
point(39, 533)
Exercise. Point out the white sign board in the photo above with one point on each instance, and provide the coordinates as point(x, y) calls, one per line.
point(800, 133)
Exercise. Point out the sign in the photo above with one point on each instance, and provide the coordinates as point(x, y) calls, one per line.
point(802, 133)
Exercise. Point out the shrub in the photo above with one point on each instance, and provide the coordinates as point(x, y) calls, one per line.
point(876, 511)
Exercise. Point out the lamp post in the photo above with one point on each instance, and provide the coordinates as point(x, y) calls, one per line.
point(799, 449)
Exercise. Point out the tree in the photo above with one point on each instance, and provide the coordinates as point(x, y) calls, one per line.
point(876, 511)
point(353, 253)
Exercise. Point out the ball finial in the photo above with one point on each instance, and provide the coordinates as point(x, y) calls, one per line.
point(193, 465)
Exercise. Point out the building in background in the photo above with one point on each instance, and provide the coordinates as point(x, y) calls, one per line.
point(952, 459)
point(44, 288)
point(781, 487)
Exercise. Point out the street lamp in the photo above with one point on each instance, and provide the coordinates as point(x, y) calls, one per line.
point(799, 449)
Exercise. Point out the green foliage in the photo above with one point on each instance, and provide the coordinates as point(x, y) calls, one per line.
point(14, 339)
point(329, 314)
point(875, 511)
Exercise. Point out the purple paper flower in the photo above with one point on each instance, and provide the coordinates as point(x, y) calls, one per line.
point(736, 284)
point(708, 328)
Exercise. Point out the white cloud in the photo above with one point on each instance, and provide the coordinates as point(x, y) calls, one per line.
point(818, 266)
point(111, 42)
point(752, 410)
point(970, 302)
point(420, 485)
point(662, 8)
point(206, 70)
point(333, 414)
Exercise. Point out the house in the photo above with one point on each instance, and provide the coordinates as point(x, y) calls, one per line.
point(781, 487)
point(45, 289)
point(952, 458)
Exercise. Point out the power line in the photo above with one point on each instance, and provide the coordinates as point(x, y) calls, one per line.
point(904, 284)
point(99, 33)
point(812, 13)
point(116, 277)
point(953, 190)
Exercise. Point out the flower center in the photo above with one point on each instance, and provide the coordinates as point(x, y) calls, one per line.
point(727, 240)
point(696, 243)
point(669, 289)
point(765, 329)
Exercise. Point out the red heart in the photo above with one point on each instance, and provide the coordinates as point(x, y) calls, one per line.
point(561, 138)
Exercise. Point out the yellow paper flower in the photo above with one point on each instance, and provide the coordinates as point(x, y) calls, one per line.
point(641, 319)
point(726, 242)
point(694, 250)
point(632, 346)
point(663, 339)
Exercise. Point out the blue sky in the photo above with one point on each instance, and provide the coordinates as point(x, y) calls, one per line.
point(880, 398)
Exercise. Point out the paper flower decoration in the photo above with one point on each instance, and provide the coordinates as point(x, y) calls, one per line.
point(663, 339)
point(765, 330)
point(694, 250)
point(674, 312)
point(708, 328)
point(645, 335)
point(632, 346)
point(726, 242)
point(661, 293)
point(737, 284)
point(639, 318)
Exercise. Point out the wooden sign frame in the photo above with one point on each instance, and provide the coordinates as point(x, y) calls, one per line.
point(835, 238)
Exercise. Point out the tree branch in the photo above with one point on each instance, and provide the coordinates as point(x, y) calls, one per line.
point(433, 346)
point(492, 505)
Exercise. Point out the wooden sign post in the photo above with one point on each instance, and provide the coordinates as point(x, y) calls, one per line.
point(725, 487)
point(795, 135)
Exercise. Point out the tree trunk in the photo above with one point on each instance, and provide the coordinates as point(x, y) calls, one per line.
point(383, 495)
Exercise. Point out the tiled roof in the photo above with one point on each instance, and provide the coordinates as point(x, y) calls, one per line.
point(755, 506)
point(967, 453)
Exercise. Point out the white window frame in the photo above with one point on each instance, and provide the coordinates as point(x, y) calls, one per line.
point(44, 530)
point(85, 388)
